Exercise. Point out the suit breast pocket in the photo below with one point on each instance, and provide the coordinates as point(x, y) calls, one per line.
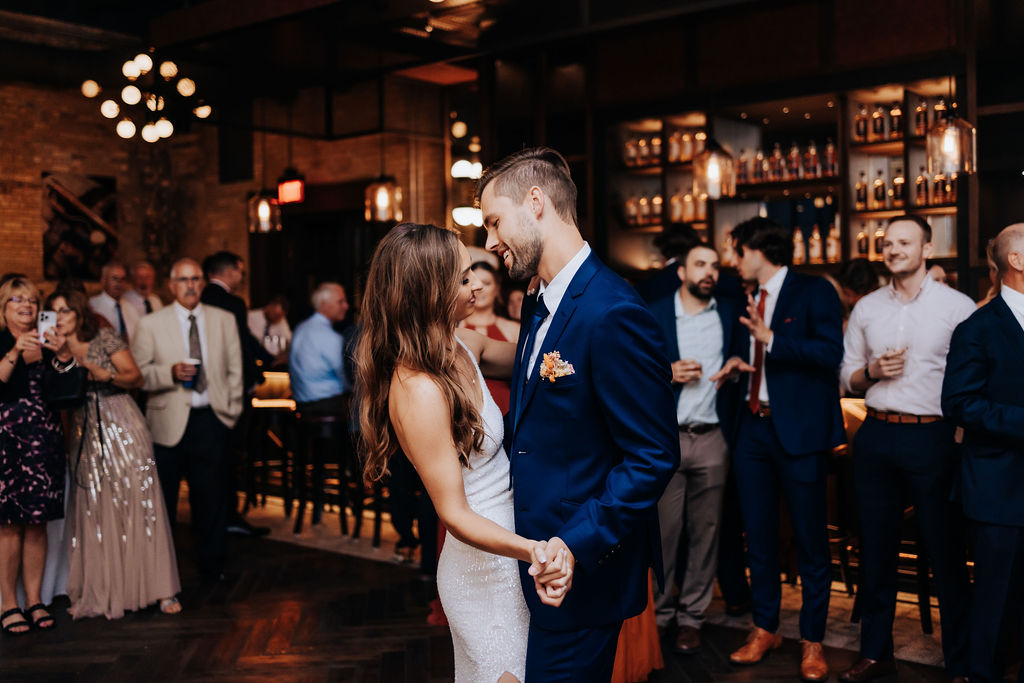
point(567, 383)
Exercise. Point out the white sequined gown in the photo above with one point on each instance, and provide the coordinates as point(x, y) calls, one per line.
point(480, 592)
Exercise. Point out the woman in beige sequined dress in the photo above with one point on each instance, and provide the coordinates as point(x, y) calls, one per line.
point(121, 550)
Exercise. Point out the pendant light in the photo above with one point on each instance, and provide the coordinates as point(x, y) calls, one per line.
point(951, 142)
point(384, 195)
point(714, 172)
point(264, 209)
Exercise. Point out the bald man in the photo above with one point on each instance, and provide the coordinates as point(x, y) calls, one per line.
point(982, 392)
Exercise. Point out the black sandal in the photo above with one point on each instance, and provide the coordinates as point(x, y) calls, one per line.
point(39, 623)
point(8, 629)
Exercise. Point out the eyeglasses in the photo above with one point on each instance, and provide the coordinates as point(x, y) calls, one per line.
point(64, 311)
point(191, 280)
point(24, 300)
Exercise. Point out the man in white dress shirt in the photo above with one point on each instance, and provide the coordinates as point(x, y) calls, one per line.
point(141, 296)
point(270, 325)
point(895, 352)
point(110, 302)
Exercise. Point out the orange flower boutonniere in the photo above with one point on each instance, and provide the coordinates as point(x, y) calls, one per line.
point(554, 367)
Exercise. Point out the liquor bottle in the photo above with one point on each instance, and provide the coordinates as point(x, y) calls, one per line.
point(632, 210)
point(878, 191)
point(777, 168)
point(879, 241)
point(656, 208)
point(700, 138)
point(812, 162)
point(921, 189)
point(860, 193)
point(940, 109)
point(921, 118)
point(675, 207)
point(939, 188)
point(728, 252)
point(686, 147)
point(689, 208)
point(833, 250)
point(643, 152)
point(673, 147)
point(831, 167)
point(899, 190)
point(896, 121)
point(860, 124)
point(700, 206)
point(643, 216)
point(743, 168)
point(656, 149)
point(759, 171)
point(630, 152)
point(863, 243)
point(815, 251)
point(793, 167)
point(951, 189)
point(799, 251)
point(878, 123)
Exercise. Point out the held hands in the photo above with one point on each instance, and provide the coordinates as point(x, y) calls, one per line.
point(552, 569)
point(732, 368)
point(183, 372)
point(889, 365)
point(686, 370)
point(755, 323)
point(28, 347)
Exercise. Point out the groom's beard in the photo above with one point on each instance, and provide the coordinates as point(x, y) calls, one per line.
point(527, 252)
point(702, 290)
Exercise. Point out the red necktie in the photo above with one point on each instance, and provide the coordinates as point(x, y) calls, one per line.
point(755, 379)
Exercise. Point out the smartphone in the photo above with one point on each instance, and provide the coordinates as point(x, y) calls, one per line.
point(47, 321)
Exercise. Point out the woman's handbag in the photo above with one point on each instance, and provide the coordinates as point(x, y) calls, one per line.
point(64, 387)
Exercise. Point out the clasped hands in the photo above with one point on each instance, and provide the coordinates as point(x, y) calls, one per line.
point(551, 568)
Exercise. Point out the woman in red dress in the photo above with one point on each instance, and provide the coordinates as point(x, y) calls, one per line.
point(486, 320)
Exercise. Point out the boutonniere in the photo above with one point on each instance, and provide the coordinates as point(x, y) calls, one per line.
point(553, 367)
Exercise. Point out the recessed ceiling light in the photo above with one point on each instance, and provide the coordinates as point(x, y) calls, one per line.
point(785, 110)
point(807, 114)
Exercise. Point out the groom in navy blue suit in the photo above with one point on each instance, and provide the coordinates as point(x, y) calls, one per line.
point(589, 431)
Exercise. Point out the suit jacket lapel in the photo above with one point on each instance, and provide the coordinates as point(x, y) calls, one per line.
point(784, 298)
point(173, 331)
point(1009, 319)
point(213, 341)
point(518, 370)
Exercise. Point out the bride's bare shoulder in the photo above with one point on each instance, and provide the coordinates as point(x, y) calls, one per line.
point(413, 386)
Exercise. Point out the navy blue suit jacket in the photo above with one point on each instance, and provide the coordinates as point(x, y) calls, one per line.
point(592, 452)
point(982, 391)
point(664, 312)
point(802, 369)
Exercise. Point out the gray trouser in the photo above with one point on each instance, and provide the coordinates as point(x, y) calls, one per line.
point(690, 511)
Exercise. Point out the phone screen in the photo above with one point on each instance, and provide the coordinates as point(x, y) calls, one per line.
point(47, 321)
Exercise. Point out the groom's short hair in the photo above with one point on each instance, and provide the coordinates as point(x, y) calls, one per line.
point(514, 175)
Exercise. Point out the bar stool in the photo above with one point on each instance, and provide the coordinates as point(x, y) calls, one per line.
point(317, 433)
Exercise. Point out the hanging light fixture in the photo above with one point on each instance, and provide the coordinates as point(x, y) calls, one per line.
point(951, 143)
point(264, 208)
point(714, 172)
point(384, 195)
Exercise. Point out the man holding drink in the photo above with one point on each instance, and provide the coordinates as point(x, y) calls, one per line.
point(190, 358)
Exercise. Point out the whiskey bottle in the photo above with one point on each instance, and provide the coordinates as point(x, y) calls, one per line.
point(878, 192)
point(759, 171)
point(940, 109)
point(793, 167)
point(812, 162)
point(939, 188)
point(879, 241)
point(700, 138)
point(743, 168)
point(778, 164)
point(921, 189)
point(921, 118)
point(656, 149)
point(951, 189)
point(878, 123)
point(675, 207)
point(815, 251)
point(701, 207)
point(689, 208)
point(860, 193)
point(899, 195)
point(673, 147)
point(728, 251)
point(643, 152)
point(632, 210)
point(831, 167)
point(863, 246)
point(686, 147)
point(643, 210)
point(656, 208)
point(896, 121)
point(832, 246)
point(860, 124)
point(630, 152)
point(799, 250)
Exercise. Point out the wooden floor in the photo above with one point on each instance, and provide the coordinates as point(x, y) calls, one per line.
point(289, 613)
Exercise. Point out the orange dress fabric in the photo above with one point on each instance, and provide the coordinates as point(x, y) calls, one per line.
point(639, 648)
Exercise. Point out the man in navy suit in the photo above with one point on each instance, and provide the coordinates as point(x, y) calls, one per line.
point(697, 329)
point(590, 434)
point(982, 392)
point(791, 344)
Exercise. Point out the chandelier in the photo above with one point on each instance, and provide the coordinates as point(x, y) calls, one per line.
point(150, 95)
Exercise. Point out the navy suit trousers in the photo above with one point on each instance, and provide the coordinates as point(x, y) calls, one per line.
point(998, 597)
point(764, 472)
point(580, 656)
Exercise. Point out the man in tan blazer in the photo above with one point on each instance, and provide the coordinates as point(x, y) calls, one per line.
point(191, 363)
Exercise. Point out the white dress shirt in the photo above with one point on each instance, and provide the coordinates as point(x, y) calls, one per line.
point(258, 326)
point(553, 292)
point(198, 400)
point(699, 338)
point(106, 305)
point(883, 321)
point(136, 300)
point(772, 288)
point(1015, 300)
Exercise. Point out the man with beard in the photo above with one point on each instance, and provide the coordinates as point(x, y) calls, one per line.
point(895, 353)
point(697, 328)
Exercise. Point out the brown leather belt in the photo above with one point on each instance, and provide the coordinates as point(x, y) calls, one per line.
point(903, 418)
point(697, 428)
point(764, 410)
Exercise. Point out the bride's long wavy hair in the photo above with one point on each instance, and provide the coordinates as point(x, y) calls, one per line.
point(408, 320)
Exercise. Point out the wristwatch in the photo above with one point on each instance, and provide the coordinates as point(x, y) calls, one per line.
point(113, 376)
point(867, 374)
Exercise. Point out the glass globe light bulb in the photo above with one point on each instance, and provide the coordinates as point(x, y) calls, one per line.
point(203, 111)
point(90, 88)
point(131, 95)
point(125, 128)
point(186, 87)
point(144, 62)
point(150, 133)
point(168, 70)
point(110, 109)
point(131, 70)
point(164, 127)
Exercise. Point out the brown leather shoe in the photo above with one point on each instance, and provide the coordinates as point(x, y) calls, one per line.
point(687, 640)
point(813, 666)
point(868, 669)
point(759, 644)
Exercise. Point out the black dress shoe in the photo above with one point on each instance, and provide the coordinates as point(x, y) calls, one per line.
point(239, 526)
point(738, 610)
point(868, 669)
point(687, 640)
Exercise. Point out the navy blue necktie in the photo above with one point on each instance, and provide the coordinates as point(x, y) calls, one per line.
point(122, 328)
point(539, 315)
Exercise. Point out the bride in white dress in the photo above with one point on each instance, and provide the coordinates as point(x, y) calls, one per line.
point(421, 389)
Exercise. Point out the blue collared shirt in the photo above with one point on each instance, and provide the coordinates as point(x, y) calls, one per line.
point(700, 338)
point(316, 361)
